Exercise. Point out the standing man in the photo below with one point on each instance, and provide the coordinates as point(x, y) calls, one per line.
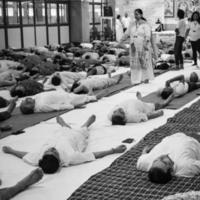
point(126, 21)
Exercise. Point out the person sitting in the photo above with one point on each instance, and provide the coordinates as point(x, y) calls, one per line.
point(7, 113)
point(177, 155)
point(135, 111)
point(90, 84)
point(66, 147)
point(54, 101)
point(180, 85)
point(26, 88)
point(32, 178)
point(100, 70)
point(63, 79)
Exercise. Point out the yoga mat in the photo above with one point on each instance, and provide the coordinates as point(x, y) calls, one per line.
point(121, 180)
point(175, 103)
point(19, 121)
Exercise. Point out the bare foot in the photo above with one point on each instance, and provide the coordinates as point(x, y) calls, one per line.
point(120, 149)
point(138, 95)
point(6, 149)
point(92, 119)
point(60, 121)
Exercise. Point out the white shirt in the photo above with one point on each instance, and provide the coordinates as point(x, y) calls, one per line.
point(67, 79)
point(181, 27)
point(95, 83)
point(180, 88)
point(69, 143)
point(126, 21)
point(135, 110)
point(59, 100)
point(5, 65)
point(182, 149)
point(194, 32)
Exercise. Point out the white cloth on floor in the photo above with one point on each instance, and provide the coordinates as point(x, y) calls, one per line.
point(135, 110)
point(182, 149)
point(59, 100)
point(69, 143)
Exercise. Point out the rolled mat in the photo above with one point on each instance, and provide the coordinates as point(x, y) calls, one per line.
point(176, 103)
point(121, 180)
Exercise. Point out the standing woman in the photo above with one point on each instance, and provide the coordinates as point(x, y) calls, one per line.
point(194, 34)
point(119, 28)
point(140, 49)
point(180, 37)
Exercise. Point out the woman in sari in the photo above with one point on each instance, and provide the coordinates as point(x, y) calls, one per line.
point(141, 51)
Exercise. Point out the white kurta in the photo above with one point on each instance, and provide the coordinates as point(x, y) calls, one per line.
point(182, 149)
point(69, 143)
point(135, 110)
point(59, 100)
point(119, 30)
point(140, 52)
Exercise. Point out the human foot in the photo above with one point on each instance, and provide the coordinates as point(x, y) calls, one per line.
point(138, 95)
point(119, 149)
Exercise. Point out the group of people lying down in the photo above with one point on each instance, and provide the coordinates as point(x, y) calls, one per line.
point(175, 155)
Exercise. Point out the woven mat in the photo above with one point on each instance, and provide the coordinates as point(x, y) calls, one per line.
point(123, 181)
point(176, 103)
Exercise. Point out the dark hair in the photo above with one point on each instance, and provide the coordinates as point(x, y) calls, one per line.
point(140, 12)
point(157, 175)
point(192, 17)
point(87, 57)
point(118, 120)
point(194, 77)
point(26, 109)
point(180, 14)
point(49, 164)
point(3, 102)
point(56, 80)
point(16, 92)
point(167, 91)
point(118, 16)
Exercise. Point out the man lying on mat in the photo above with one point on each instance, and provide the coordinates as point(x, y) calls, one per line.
point(66, 147)
point(135, 110)
point(54, 101)
point(32, 178)
point(63, 80)
point(95, 83)
point(180, 85)
point(177, 155)
point(100, 69)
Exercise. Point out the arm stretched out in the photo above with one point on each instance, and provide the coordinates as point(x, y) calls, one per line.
point(177, 78)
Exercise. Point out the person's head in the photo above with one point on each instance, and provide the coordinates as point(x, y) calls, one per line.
point(139, 14)
point(194, 77)
point(56, 80)
point(180, 14)
point(118, 16)
point(50, 161)
point(27, 106)
point(166, 92)
point(118, 117)
point(195, 16)
point(161, 170)
point(17, 90)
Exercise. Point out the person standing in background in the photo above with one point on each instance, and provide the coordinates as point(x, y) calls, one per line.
point(126, 21)
point(140, 49)
point(193, 32)
point(119, 28)
point(180, 37)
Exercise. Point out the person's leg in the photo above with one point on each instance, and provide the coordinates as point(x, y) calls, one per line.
point(176, 52)
point(32, 178)
point(180, 53)
point(62, 122)
point(194, 52)
point(155, 114)
point(90, 121)
point(9, 150)
point(101, 154)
